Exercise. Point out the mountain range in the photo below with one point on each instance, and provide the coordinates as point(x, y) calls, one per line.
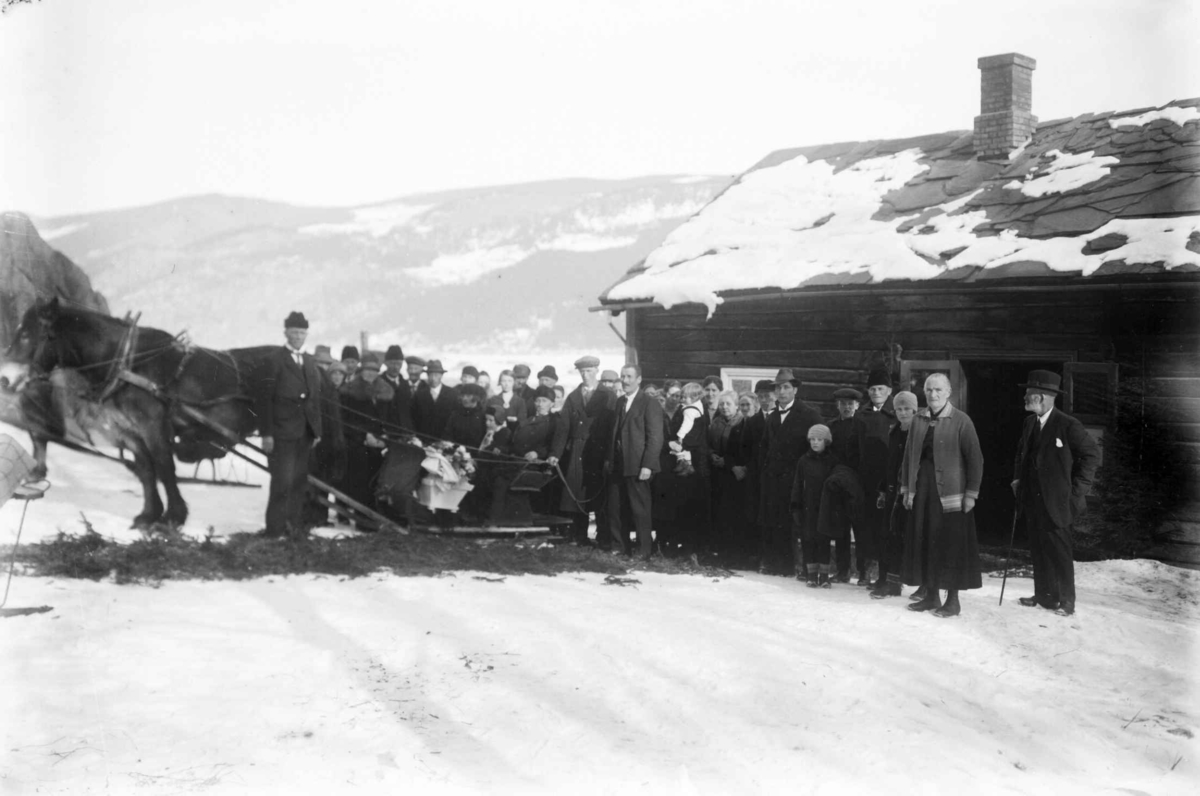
point(501, 271)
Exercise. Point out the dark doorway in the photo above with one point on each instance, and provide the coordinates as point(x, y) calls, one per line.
point(996, 407)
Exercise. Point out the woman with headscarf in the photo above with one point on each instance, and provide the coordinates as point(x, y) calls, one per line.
point(728, 486)
point(746, 443)
point(891, 540)
point(940, 476)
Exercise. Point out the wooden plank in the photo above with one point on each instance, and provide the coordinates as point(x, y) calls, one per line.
point(1173, 386)
point(1184, 432)
point(1173, 410)
point(773, 358)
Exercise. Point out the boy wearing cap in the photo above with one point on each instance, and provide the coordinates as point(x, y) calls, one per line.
point(1055, 466)
point(289, 410)
point(846, 435)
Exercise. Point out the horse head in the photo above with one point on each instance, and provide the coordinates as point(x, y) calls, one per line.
point(34, 349)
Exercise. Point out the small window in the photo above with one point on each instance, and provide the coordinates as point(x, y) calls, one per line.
point(1091, 391)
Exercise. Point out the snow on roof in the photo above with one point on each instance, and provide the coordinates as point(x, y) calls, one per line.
point(1093, 195)
point(1065, 173)
point(1173, 113)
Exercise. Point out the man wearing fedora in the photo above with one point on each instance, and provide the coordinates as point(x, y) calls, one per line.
point(433, 406)
point(1056, 464)
point(785, 441)
point(289, 412)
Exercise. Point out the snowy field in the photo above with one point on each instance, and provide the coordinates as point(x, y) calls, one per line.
point(678, 684)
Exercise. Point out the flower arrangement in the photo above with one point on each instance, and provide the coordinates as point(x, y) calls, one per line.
point(448, 470)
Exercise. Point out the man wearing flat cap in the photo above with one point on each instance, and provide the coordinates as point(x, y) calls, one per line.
point(432, 407)
point(521, 387)
point(1056, 464)
point(845, 432)
point(582, 464)
point(289, 413)
point(785, 441)
point(416, 368)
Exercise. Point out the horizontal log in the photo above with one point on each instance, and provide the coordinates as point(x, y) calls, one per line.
point(1184, 432)
point(1054, 320)
point(1173, 410)
point(1173, 386)
point(1002, 344)
point(1178, 532)
point(848, 361)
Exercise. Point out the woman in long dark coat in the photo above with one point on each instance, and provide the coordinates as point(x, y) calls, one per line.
point(366, 417)
point(730, 456)
point(891, 540)
point(939, 479)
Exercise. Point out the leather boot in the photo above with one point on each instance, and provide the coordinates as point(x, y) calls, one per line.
point(919, 594)
point(931, 602)
point(950, 607)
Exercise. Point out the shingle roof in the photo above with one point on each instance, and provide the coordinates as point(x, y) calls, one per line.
point(1094, 195)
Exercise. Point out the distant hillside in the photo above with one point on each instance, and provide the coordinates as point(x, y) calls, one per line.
point(31, 269)
point(499, 269)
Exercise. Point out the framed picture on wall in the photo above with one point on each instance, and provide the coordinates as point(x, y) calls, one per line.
point(742, 380)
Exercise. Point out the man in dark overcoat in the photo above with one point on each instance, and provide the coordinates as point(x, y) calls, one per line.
point(876, 420)
point(846, 438)
point(433, 406)
point(785, 441)
point(634, 447)
point(1056, 464)
point(327, 461)
point(582, 469)
point(402, 396)
point(289, 409)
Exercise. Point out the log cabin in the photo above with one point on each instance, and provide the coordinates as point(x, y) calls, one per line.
point(1071, 245)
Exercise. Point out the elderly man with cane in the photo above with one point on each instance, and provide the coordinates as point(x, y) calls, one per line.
point(1056, 463)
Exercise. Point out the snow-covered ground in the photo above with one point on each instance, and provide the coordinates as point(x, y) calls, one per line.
point(677, 684)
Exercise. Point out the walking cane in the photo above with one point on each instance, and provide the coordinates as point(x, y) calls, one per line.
point(1008, 559)
point(25, 492)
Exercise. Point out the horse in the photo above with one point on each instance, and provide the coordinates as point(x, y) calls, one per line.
point(148, 384)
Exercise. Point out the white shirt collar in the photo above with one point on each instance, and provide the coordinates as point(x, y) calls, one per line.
point(1043, 418)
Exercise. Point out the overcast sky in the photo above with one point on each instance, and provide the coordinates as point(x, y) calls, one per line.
point(126, 102)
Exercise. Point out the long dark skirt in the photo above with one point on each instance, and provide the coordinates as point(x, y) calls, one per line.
point(941, 548)
point(730, 528)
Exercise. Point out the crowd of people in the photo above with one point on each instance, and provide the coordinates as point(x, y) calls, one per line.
point(756, 479)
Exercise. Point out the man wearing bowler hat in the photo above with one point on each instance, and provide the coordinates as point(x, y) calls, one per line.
point(785, 441)
point(402, 397)
point(433, 406)
point(289, 411)
point(1056, 464)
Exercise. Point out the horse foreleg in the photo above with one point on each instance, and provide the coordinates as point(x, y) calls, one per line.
point(164, 469)
point(142, 466)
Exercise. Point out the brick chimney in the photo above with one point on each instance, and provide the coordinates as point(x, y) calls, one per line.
point(1005, 121)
